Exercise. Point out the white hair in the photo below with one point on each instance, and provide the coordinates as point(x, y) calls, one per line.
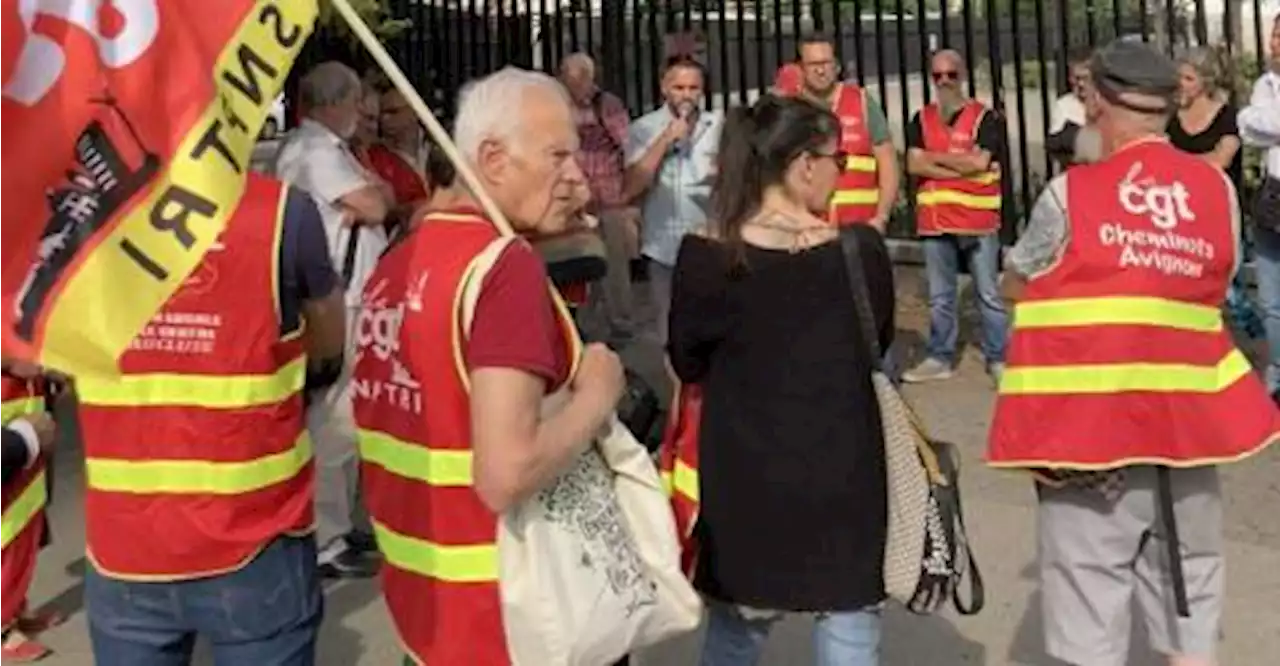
point(490, 107)
point(328, 84)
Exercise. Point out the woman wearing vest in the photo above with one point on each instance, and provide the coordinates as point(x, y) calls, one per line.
point(868, 184)
point(450, 389)
point(1124, 389)
point(953, 150)
point(29, 436)
point(790, 458)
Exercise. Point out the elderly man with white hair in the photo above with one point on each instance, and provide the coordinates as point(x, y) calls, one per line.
point(460, 346)
point(353, 204)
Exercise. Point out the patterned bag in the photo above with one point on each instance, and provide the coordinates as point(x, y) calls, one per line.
point(926, 552)
point(589, 567)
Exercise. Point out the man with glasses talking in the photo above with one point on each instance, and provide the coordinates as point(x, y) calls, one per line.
point(953, 149)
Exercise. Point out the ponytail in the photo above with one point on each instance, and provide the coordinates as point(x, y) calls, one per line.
point(738, 188)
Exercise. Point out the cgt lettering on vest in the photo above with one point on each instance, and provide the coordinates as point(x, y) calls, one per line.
point(378, 333)
point(1162, 249)
point(215, 151)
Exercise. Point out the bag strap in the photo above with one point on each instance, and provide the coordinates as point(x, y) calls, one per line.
point(473, 278)
point(861, 295)
point(349, 258)
point(977, 591)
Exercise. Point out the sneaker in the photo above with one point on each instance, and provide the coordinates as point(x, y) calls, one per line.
point(930, 370)
point(996, 370)
point(361, 542)
point(18, 648)
point(340, 561)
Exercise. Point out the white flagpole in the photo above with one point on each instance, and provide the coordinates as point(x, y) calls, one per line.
point(424, 113)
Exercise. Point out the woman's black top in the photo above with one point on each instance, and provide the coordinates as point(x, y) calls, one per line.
point(1224, 124)
point(791, 452)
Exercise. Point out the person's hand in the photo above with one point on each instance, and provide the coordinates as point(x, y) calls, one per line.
point(879, 223)
point(600, 376)
point(46, 431)
point(677, 130)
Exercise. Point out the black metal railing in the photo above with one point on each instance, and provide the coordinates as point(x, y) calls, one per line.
point(1015, 49)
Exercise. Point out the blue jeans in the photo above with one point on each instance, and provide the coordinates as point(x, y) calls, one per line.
point(847, 638)
point(942, 257)
point(267, 613)
point(1267, 268)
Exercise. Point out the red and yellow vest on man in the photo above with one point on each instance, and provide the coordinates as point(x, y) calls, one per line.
point(412, 406)
point(24, 500)
point(858, 188)
point(968, 205)
point(1119, 354)
point(197, 457)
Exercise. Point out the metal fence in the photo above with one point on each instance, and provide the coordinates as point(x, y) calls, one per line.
point(1015, 49)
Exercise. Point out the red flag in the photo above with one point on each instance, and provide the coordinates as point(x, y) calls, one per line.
point(678, 467)
point(128, 130)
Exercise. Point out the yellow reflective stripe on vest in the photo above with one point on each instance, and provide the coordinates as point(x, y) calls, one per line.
point(12, 409)
point(163, 389)
point(23, 510)
point(860, 163)
point(1121, 377)
point(975, 201)
point(855, 197)
point(455, 564)
point(1118, 310)
point(436, 467)
point(197, 476)
point(684, 481)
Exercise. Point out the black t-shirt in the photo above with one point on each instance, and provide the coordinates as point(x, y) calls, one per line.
point(306, 270)
point(990, 132)
point(1224, 124)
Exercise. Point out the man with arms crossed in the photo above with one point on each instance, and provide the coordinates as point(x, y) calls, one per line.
point(353, 204)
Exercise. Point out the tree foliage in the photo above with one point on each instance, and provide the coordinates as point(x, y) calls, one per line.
point(376, 14)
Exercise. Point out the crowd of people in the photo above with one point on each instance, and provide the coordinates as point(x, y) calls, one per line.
point(405, 375)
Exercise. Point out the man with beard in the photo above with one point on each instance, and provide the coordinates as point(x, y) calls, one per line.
point(353, 205)
point(670, 164)
point(868, 185)
point(953, 149)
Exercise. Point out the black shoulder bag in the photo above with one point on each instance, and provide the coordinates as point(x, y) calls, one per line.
point(944, 557)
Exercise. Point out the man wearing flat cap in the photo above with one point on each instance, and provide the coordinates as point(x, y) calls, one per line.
point(1123, 389)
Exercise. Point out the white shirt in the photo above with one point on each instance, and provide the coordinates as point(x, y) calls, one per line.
point(315, 159)
point(1067, 109)
point(1259, 122)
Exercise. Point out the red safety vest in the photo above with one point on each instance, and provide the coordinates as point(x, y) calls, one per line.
point(196, 457)
point(407, 183)
point(678, 467)
point(1119, 354)
point(413, 410)
point(24, 500)
point(857, 190)
point(969, 205)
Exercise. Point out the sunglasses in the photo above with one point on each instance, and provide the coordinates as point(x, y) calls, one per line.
point(946, 75)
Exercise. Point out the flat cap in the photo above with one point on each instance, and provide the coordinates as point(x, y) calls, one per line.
point(1127, 66)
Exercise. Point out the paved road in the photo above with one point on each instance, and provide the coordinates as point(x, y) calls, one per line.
point(357, 632)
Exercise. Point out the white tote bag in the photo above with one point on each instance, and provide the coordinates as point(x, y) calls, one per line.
point(589, 568)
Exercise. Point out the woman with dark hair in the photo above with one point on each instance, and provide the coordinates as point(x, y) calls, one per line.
point(791, 468)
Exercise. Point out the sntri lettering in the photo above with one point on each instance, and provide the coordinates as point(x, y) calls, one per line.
point(215, 152)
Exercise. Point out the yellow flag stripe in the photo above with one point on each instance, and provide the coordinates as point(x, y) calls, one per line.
point(111, 297)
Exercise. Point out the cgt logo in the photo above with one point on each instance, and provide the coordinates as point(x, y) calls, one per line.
point(123, 29)
point(1164, 205)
